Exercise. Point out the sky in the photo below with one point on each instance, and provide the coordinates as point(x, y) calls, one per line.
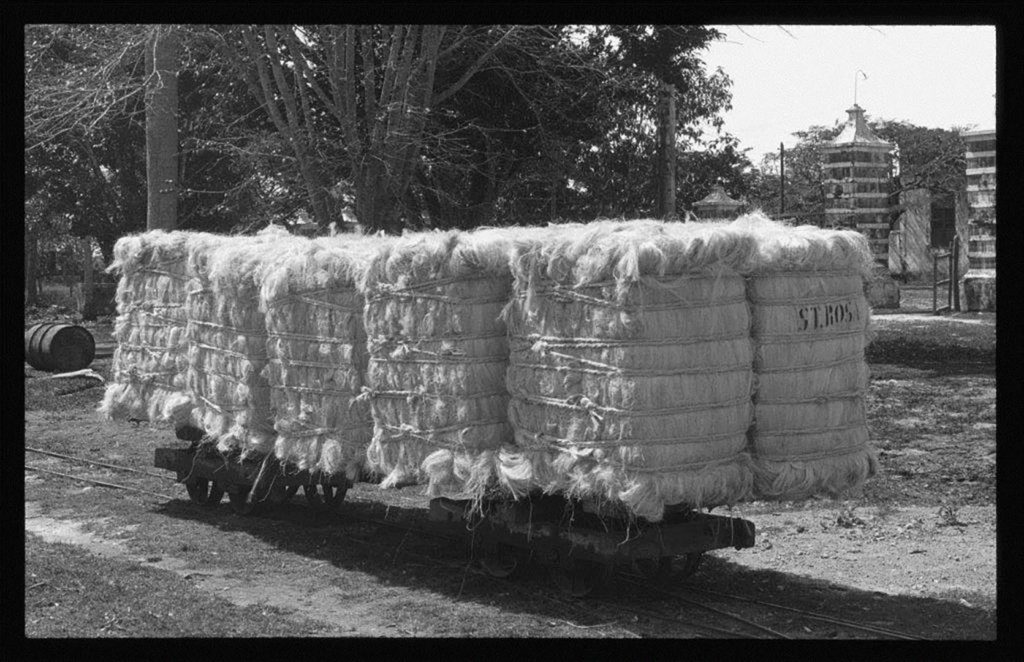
point(788, 78)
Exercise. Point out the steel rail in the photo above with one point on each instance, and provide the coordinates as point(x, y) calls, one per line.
point(672, 619)
point(462, 567)
point(620, 607)
point(98, 482)
point(456, 566)
point(624, 578)
point(815, 616)
point(100, 464)
point(714, 610)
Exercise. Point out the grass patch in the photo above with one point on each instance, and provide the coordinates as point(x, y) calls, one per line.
point(65, 393)
point(932, 340)
point(933, 436)
point(71, 593)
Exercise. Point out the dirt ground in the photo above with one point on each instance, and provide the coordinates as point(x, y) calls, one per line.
point(914, 552)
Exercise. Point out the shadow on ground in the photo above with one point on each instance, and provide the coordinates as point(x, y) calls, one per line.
point(348, 543)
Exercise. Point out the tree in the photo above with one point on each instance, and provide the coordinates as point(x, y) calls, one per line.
point(404, 102)
point(77, 76)
point(720, 162)
point(83, 95)
point(929, 158)
point(933, 159)
point(504, 148)
point(651, 62)
point(412, 126)
point(85, 156)
point(666, 53)
point(374, 86)
point(96, 183)
point(805, 176)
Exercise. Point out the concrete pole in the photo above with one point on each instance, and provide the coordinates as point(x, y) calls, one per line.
point(162, 129)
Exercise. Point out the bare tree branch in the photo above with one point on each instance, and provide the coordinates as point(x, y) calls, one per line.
point(749, 35)
point(76, 75)
point(472, 70)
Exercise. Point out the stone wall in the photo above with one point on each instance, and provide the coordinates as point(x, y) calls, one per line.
point(911, 256)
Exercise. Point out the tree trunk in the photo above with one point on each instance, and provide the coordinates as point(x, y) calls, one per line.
point(963, 234)
point(31, 269)
point(666, 206)
point(162, 129)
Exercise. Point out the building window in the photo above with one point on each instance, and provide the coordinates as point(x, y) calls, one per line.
point(981, 146)
point(984, 180)
point(872, 187)
point(981, 198)
point(858, 156)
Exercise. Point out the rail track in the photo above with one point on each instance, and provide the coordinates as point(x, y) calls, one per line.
point(671, 601)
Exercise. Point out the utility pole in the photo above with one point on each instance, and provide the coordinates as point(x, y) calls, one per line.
point(782, 179)
point(666, 207)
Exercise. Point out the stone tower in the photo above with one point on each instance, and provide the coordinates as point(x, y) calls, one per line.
point(858, 173)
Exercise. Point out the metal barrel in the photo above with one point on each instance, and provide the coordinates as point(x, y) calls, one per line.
point(57, 347)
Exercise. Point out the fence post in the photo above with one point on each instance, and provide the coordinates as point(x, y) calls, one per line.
point(935, 283)
point(956, 273)
point(949, 272)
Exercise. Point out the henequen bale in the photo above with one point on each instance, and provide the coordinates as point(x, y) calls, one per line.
point(810, 328)
point(630, 372)
point(438, 356)
point(227, 338)
point(149, 363)
point(316, 354)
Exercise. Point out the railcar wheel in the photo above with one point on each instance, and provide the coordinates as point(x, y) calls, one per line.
point(654, 569)
point(500, 561)
point(580, 578)
point(240, 503)
point(691, 562)
point(325, 498)
point(204, 492)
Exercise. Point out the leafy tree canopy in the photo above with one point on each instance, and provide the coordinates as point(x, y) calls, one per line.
point(406, 126)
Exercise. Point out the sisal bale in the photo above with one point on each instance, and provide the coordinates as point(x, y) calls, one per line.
point(438, 354)
point(630, 370)
point(149, 364)
point(811, 324)
point(316, 353)
point(227, 337)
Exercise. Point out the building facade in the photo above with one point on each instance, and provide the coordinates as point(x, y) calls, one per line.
point(979, 283)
